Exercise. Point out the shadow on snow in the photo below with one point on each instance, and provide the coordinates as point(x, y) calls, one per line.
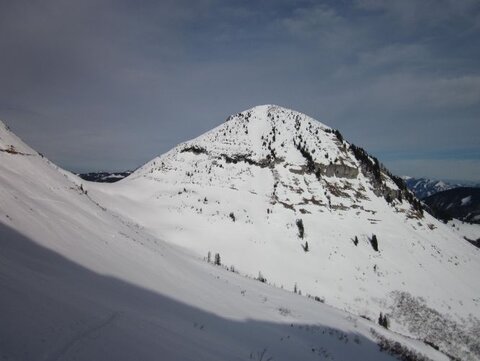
point(54, 309)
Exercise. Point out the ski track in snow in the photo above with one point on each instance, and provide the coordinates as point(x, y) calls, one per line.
point(82, 335)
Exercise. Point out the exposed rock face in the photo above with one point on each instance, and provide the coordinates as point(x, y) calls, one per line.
point(339, 171)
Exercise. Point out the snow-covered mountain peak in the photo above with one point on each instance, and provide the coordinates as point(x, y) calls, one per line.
point(296, 161)
point(266, 133)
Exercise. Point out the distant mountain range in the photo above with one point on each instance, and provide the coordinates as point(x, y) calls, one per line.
point(462, 203)
point(448, 200)
point(424, 187)
point(105, 177)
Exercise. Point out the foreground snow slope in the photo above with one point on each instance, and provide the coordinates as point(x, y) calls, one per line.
point(242, 189)
point(79, 283)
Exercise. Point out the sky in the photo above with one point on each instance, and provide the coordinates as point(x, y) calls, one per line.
point(110, 84)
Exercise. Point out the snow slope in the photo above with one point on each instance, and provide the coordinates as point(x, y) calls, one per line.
point(468, 231)
point(81, 283)
point(242, 189)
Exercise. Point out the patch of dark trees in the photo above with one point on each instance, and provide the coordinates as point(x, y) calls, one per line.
point(246, 158)
point(195, 149)
point(373, 167)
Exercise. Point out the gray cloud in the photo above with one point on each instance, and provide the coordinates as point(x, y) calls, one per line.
point(110, 84)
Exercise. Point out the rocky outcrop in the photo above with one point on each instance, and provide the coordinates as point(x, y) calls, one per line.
point(338, 170)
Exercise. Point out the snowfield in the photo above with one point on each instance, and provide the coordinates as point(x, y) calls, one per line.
point(470, 231)
point(118, 271)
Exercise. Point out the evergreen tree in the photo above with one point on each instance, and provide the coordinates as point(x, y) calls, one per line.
point(217, 259)
point(301, 229)
point(209, 257)
point(374, 243)
point(383, 320)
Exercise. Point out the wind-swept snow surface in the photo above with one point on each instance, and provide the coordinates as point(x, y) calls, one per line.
point(80, 283)
point(276, 193)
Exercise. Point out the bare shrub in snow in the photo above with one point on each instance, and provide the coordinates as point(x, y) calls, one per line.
point(452, 338)
point(261, 278)
point(284, 311)
point(260, 356)
point(355, 241)
point(305, 247)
